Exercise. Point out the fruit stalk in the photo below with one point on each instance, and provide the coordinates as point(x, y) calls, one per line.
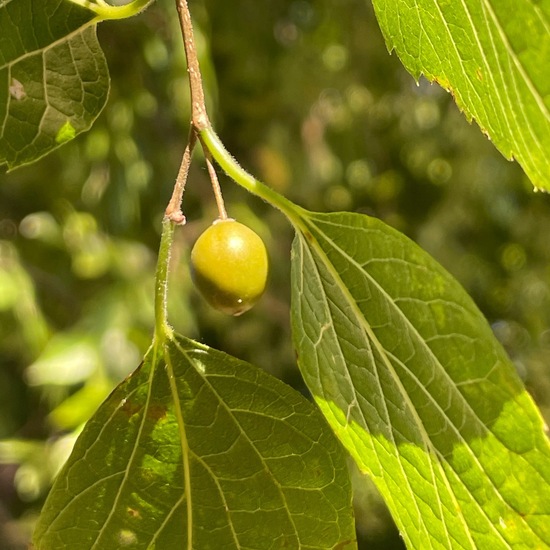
point(213, 144)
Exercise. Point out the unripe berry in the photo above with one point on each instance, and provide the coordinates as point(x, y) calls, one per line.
point(229, 266)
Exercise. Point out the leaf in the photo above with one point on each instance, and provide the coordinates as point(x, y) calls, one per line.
point(54, 80)
point(493, 56)
point(412, 380)
point(236, 460)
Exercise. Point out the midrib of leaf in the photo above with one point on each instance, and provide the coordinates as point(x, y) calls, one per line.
point(183, 441)
point(384, 356)
point(326, 327)
point(134, 450)
point(187, 451)
point(243, 434)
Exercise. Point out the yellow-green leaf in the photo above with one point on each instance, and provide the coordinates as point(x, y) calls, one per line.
point(409, 375)
point(493, 56)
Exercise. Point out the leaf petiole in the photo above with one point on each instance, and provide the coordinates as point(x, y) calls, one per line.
point(163, 331)
point(105, 11)
point(237, 173)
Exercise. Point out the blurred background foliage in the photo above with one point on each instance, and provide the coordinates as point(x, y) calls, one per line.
point(308, 99)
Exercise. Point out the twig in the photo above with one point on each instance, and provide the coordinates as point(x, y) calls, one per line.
point(199, 116)
point(199, 121)
point(173, 210)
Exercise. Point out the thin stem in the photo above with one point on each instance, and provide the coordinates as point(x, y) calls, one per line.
point(215, 185)
point(173, 210)
point(162, 328)
point(211, 142)
point(106, 11)
point(199, 116)
point(173, 214)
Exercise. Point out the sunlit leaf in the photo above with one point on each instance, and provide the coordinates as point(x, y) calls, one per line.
point(197, 449)
point(493, 56)
point(411, 378)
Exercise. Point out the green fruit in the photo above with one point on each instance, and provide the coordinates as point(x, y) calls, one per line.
point(229, 266)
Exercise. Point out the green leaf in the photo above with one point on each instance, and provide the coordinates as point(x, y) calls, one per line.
point(197, 449)
point(54, 79)
point(412, 380)
point(493, 56)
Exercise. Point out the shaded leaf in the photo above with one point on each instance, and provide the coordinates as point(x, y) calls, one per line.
point(197, 449)
point(493, 56)
point(412, 380)
point(54, 79)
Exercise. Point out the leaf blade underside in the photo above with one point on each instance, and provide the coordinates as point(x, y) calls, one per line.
point(54, 79)
point(239, 460)
point(412, 380)
point(493, 56)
